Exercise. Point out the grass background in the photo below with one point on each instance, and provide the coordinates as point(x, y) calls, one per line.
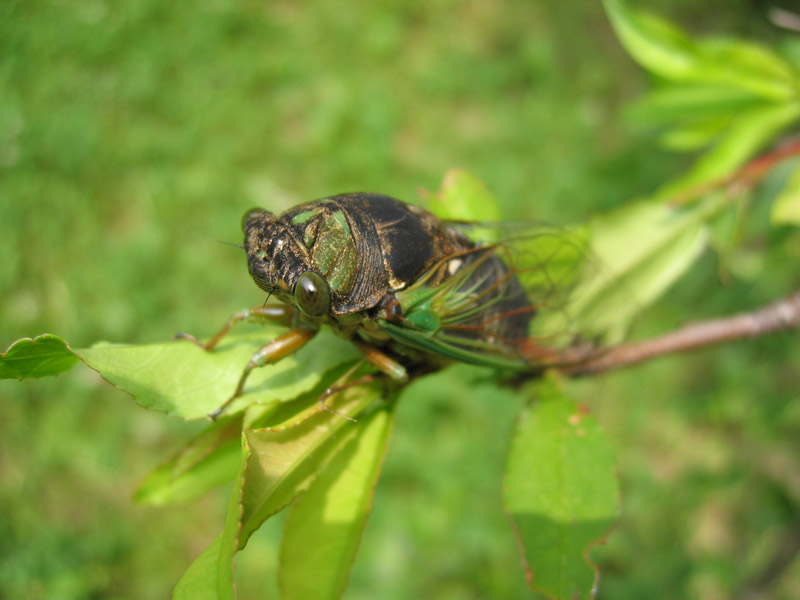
point(135, 134)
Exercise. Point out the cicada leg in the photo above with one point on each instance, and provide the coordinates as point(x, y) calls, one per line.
point(270, 353)
point(383, 362)
point(281, 314)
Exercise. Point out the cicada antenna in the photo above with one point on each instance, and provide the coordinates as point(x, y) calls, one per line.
point(228, 243)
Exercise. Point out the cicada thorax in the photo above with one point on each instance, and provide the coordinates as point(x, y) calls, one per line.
point(363, 246)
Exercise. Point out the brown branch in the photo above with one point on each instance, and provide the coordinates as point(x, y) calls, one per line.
point(744, 177)
point(781, 315)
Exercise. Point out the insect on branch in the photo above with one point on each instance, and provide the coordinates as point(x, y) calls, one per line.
point(778, 316)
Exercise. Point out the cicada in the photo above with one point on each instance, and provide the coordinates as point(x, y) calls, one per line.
point(407, 288)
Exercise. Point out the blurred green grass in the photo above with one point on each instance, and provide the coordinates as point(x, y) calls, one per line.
point(133, 135)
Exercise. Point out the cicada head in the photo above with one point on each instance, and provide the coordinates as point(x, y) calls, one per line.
point(280, 265)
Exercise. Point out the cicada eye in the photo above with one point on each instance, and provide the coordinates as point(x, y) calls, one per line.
point(311, 295)
point(253, 212)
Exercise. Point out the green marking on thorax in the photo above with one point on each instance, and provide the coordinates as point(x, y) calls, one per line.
point(310, 236)
point(342, 220)
point(304, 216)
point(334, 252)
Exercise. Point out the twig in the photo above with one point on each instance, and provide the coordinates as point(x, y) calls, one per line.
point(744, 177)
point(781, 315)
point(785, 18)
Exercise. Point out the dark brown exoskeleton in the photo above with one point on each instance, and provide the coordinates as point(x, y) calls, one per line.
point(343, 260)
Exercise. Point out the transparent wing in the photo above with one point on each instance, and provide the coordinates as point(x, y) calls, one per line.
point(485, 305)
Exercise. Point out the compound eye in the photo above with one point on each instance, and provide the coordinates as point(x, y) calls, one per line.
point(311, 295)
point(250, 214)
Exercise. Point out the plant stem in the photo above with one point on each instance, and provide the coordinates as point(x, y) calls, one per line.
point(745, 177)
point(781, 315)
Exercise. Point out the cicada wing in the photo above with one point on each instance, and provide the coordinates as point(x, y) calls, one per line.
point(481, 306)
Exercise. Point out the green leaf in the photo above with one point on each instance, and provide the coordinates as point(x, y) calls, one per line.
point(213, 456)
point(199, 582)
point(668, 52)
point(561, 491)
point(182, 379)
point(291, 453)
point(638, 251)
point(786, 209)
point(464, 197)
point(746, 66)
point(747, 134)
point(693, 102)
point(208, 460)
point(325, 525)
point(654, 43)
point(44, 355)
point(693, 137)
point(281, 461)
point(735, 95)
